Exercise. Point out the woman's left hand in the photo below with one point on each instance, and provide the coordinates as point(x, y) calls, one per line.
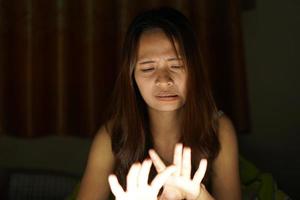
point(180, 185)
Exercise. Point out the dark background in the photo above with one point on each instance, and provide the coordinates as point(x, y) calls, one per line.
point(59, 60)
point(272, 46)
point(52, 98)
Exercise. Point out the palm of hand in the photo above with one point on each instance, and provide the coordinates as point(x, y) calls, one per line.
point(137, 183)
point(180, 185)
point(146, 193)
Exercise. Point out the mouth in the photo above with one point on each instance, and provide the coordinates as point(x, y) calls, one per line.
point(167, 97)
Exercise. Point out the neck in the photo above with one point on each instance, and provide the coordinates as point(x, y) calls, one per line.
point(165, 126)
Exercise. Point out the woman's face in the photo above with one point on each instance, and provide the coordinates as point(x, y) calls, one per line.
point(159, 74)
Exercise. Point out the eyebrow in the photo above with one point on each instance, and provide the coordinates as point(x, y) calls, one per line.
point(152, 61)
point(146, 62)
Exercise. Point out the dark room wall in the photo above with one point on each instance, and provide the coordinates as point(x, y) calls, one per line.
point(272, 46)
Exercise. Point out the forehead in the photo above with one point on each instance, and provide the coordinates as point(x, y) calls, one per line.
point(155, 43)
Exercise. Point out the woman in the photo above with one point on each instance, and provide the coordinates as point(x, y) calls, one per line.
point(163, 104)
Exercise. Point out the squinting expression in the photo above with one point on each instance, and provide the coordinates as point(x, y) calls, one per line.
point(159, 74)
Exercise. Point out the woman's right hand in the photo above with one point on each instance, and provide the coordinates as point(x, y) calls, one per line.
point(137, 182)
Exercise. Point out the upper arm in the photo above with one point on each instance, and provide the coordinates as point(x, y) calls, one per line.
point(226, 179)
point(94, 184)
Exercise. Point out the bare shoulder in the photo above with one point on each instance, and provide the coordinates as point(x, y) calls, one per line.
point(102, 141)
point(228, 154)
point(100, 164)
point(226, 130)
point(101, 151)
point(226, 180)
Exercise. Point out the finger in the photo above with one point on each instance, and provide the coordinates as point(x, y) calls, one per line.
point(132, 177)
point(115, 186)
point(162, 177)
point(186, 163)
point(200, 171)
point(157, 162)
point(144, 173)
point(177, 158)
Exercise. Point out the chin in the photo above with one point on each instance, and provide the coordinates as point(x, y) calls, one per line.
point(166, 108)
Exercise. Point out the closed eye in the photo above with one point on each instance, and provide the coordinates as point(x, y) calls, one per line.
point(147, 69)
point(176, 66)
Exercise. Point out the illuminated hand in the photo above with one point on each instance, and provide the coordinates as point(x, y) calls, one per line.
point(180, 185)
point(137, 182)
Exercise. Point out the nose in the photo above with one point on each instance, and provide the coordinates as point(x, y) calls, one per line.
point(163, 79)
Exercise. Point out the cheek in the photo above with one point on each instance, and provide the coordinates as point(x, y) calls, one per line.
point(184, 85)
point(143, 85)
point(182, 82)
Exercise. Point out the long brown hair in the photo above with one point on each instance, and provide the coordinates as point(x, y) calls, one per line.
point(130, 133)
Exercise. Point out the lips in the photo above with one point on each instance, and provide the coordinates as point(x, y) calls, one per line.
point(167, 96)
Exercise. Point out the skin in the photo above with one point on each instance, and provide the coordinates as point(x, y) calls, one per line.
point(137, 182)
point(166, 75)
point(163, 89)
point(160, 75)
point(180, 185)
point(176, 179)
